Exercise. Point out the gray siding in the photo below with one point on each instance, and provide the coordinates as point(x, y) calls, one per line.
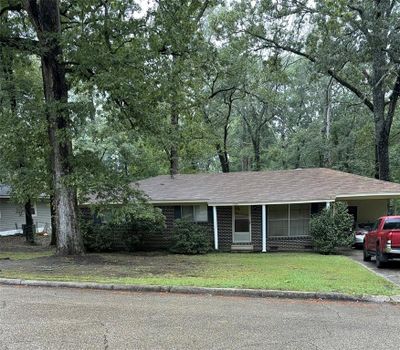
point(12, 215)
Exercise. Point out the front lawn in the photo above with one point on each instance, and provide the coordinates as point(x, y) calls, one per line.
point(280, 271)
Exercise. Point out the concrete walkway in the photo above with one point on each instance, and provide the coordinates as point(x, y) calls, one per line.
point(391, 271)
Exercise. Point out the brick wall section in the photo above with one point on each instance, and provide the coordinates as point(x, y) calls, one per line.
point(256, 227)
point(289, 243)
point(224, 215)
point(163, 240)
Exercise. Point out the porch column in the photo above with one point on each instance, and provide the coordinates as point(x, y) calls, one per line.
point(215, 227)
point(264, 228)
point(328, 205)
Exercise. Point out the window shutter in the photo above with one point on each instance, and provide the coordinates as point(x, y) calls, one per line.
point(177, 212)
point(210, 214)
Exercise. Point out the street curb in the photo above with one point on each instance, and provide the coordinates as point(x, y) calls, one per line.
point(252, 293)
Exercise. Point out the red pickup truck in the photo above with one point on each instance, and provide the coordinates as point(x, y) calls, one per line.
point(383, 241)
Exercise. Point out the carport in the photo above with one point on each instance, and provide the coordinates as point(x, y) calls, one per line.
point(368, 207)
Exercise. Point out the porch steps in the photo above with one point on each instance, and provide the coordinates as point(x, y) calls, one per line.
point(242, 248)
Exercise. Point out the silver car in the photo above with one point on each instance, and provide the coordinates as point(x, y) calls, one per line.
point(359, 232)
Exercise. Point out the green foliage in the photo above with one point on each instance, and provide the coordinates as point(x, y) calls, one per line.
point(97, 238)
point(23, 130)
point(215, 65)
point(189, 238)
point(121, 229)
point(331, 229)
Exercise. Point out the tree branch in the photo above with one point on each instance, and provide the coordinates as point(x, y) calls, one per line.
point(312, 59)
point(393, 100)
point(215, 93)
point(22, 44)
point(357, 9)
point(202, 10)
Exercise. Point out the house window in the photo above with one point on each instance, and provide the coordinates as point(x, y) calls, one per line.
point(34, 209)
point(299, 219)
point(200, 213)
point(187, 213)
point(278, 223)
point(195, 213)
point(102, 217)
point(288, 220)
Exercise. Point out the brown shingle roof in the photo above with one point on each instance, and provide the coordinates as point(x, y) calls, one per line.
point(286, 186)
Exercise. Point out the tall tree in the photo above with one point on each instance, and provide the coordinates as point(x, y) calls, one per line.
point(355, 42)
point(44, 16)
point(8, 81)
point(178, 40)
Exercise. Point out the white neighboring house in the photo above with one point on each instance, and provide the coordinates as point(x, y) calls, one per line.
point(12, 216)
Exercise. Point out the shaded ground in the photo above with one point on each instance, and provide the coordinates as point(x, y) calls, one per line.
point(280, 271)
point(391, 270)
point(107, 265)
point(41, 318)
point(18, 257)
point(18, 244)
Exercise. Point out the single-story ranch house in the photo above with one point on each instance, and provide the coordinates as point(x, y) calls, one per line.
point(266, 210)
point(12, 216)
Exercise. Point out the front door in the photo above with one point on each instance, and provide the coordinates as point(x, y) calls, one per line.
point(241, 224)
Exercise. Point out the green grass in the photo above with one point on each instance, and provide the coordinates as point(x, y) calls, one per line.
point(24, 255)
point(279, 271)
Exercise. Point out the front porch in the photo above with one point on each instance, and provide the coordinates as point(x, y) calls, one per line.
point(279, 226)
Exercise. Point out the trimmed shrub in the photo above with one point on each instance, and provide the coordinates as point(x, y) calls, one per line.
point(101, 237)
point(120, 234)
point(331, 229)
point(189, 238)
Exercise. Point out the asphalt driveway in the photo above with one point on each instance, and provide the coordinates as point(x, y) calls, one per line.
point(40, 318)
point(391, 271)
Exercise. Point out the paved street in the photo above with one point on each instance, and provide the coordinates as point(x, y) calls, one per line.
point(40, 318)
point(391, 271)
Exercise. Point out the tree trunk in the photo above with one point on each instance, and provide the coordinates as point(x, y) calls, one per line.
point(29, 234)
point(328, 115)
point(379, 70)
point(53, 241)
point(45, 15)
point(223, 159)
point(257, 158)
point(382, 147)
point(174, 156)
point(223, 153)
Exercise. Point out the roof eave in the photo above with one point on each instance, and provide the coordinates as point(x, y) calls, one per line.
point(178, 201)
point(381, 195)
point(220, 204)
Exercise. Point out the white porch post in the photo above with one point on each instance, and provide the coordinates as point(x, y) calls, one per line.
point(328, 205)
point(215, 227)
point(264, 228)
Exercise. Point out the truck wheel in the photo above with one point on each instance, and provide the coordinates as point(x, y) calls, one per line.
point(379, 259)
point(366, 256)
